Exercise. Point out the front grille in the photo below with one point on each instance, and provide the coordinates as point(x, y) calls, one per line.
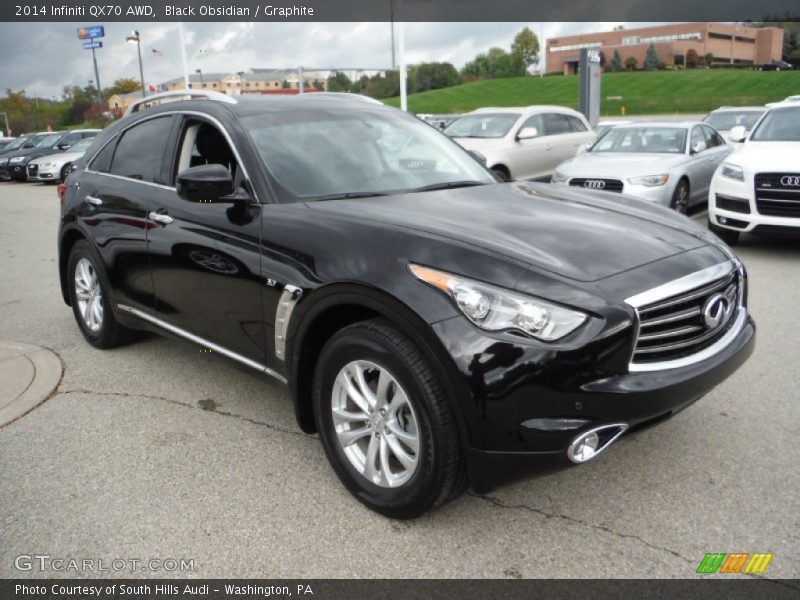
point(675, 327)
point(778, 194)
point(605, 185)
point(33, 170)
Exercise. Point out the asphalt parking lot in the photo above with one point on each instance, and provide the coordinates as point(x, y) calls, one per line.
point(157, 450)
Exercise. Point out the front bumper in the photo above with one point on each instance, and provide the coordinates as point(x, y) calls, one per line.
point(528, 411)
point(737, 220)
point(17, 171)
point(659, 194)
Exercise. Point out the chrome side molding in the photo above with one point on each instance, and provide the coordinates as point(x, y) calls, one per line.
point(201, 341)
point(283, 314)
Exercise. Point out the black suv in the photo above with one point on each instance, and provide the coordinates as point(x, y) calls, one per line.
point(435, 327)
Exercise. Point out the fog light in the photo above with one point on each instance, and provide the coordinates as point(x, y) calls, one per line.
point(585, 447)
point(591, 443)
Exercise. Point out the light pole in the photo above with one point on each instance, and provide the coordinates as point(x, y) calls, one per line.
point(8, 129)
point(135, 38)
point(241, 82)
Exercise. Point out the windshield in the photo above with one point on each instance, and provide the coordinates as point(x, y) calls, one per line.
point(482, 125)
point(779, 125)
point(82, 146)
point(657, 140)
point(49, 140)
point(328, 154)
point(725, 121)
point(16, 143)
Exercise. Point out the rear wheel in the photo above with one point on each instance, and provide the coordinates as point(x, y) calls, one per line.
point(728, 236)
point(384, 422)
point(88, 291)
point(680, 197)
point(64, 171)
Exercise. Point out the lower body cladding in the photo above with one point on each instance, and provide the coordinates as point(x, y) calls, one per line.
point(531, 411)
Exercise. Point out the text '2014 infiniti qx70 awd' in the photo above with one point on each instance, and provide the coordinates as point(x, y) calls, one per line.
point(438, 329)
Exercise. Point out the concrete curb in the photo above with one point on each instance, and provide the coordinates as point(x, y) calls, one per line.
point(29, 375)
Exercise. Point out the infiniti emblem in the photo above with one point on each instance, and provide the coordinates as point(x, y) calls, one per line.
point(716, 311)
point(594, 184)
point(790, 181)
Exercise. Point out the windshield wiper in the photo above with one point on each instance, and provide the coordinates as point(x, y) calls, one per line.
point(346, 195)
point(447, 185)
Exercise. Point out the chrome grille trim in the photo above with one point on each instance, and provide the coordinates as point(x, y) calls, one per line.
point(666, 333)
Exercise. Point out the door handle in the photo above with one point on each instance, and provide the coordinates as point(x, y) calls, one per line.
point(94, 200)
point(161, 217)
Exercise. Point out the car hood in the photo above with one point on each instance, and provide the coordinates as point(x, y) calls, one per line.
point(619, 165)
point(774, 157)
point(60, 157)
point(581, 236)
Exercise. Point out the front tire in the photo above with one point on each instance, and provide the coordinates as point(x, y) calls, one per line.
point(680, 197)
point(728, 236)
point(385, 423)
point(89, 296)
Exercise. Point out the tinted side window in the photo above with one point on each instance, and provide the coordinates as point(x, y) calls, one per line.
point(576, 125)
point(139, 152)
point(70, 139)
point(534, 121)
point(102, 162)
point(697, 136)
point(555, 124)
point(713, 137)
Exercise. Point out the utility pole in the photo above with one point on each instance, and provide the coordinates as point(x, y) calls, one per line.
point(97, 77)
point(135, 38)
point(402, 50)
point(391, 25)
point(8, 129)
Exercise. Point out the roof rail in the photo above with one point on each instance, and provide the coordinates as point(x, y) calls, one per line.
point(136, 105)
point(351, 95)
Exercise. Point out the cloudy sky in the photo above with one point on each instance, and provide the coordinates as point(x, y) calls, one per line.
point(42, 58)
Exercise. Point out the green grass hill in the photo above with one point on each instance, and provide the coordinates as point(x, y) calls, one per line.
point(656, 92)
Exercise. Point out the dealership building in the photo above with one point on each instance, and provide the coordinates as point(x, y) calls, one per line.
point(730, 45)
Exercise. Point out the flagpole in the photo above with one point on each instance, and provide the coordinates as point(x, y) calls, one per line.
point(183, 57)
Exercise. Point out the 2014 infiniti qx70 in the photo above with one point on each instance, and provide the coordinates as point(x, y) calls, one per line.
point(436, 327)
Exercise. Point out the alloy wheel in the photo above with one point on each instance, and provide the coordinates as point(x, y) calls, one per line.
point(89, 295)
point(682, 199)
point(375, 424)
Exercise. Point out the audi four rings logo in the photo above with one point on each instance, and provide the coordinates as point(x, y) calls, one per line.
point(594, 184)
point(790, 181)
point(716, 311)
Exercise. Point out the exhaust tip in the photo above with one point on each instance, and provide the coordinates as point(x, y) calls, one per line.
point(592, 442)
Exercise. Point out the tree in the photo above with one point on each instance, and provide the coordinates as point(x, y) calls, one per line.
point(651, 59)
point(318, 85)
point(339, 82)
point(495, 63)
point(616, 62)
point(603, 59)
point(432, 76)
point(526, 47)
point(631, 63)
point(692, 59)
point(124, 85)
point(709, 58)
point(286, 85)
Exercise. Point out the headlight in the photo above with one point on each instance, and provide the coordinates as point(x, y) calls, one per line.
point(47, 164)
point(16, 160)
point(732, 172)
point(558, 177)
point(497, 309)
point(650, 180)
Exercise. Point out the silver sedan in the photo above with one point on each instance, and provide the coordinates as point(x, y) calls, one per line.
point(667, 163)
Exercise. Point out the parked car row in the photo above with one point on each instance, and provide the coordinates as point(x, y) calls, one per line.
point(21, 159)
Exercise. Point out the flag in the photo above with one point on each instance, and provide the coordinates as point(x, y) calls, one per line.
point(156, 52)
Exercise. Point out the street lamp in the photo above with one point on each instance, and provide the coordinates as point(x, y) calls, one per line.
point(135, 38)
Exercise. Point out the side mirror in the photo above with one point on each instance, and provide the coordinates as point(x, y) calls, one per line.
point(699, 147)
point(527, 133)
point(205, 183)
point(63, 146)
point(477, 156)
point(28, 145)
point(738, 134)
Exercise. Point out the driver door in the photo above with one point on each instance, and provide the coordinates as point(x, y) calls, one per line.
point(204, 257)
